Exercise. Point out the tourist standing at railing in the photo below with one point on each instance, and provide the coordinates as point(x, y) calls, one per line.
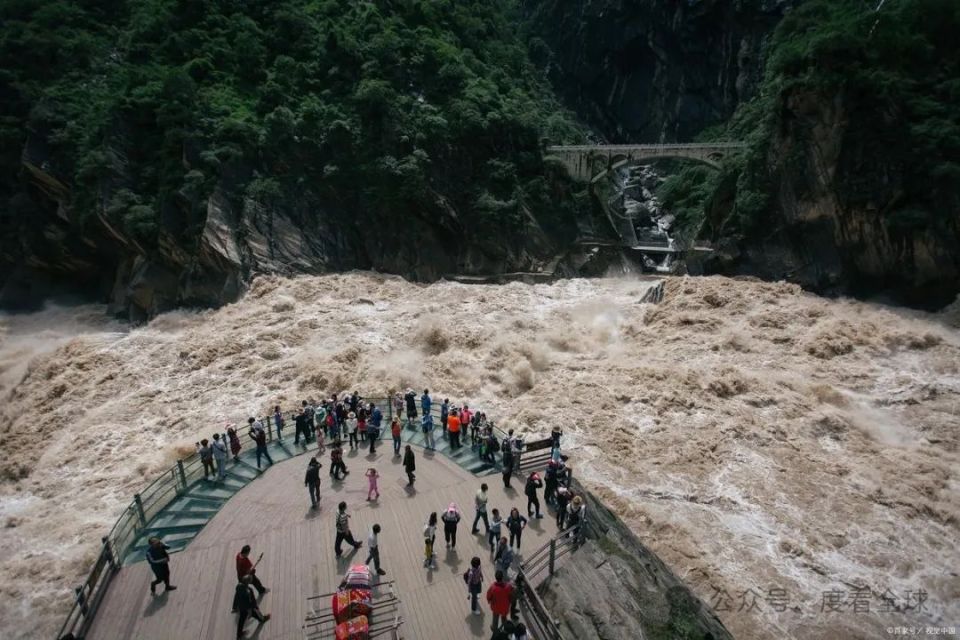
point(507, 464)
point(575, 515)
point(260, 437)
point(234, 443)
point(308, 414)
point(206, 457)
point(220, 455)
point(343, 531)
point(499, 597)
point(427, 426)
point(474, 579)
point(516, 523)
point(354, 401)
point(409, 465)
point(410, 398)
point(373, 429)
point(451, 519)
point(480, 504)
point(300, 423)
point(530, 489)
point(312, 481)
point(159, 563)
point(466, 417)
point(246, 568)
point(492, 446)
point(453, 426)
point(563, 500)
point(278, 421)
point(426, 402)
point(550, 483)
point(444, 414)
point(555, 434)
point(245, 603)
point(352, 430)
point(397, 404)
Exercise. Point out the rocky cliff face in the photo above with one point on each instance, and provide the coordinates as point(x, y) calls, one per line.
point(209, 246)
point(835, 221)
point(655, 70)
point(632, 593)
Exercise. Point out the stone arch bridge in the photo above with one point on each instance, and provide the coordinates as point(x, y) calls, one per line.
point(590, 162)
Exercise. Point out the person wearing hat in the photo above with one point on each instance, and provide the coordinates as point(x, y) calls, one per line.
point(563, 501)
point(352, 430)
point(451, 518)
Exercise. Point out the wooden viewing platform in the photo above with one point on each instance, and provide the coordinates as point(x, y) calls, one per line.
point(272, 514)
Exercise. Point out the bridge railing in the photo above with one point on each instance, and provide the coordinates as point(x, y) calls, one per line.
point(646, 147)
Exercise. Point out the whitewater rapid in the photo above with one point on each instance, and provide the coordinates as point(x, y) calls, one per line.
point(753, 435)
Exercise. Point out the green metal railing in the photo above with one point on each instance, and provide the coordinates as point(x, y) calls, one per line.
point(153, 499)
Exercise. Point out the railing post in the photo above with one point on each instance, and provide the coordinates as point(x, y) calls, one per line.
point(141, 516)
point(182, 474)
point(553, 554)
point(81, 601)
point(389, 402)
point(108, 548)
point(269, 429)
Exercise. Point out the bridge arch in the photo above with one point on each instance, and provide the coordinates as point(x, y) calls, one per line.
point(589, 163)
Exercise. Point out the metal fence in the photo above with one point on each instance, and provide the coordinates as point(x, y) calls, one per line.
point(153, 499)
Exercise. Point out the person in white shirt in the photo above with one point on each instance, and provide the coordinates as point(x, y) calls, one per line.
point(373, 543)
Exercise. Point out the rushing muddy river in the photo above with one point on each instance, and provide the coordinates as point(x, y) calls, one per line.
point(790, 457)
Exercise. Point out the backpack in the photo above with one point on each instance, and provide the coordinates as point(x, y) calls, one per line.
point(507, 447)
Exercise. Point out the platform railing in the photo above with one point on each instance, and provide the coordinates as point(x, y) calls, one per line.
point(156, 496)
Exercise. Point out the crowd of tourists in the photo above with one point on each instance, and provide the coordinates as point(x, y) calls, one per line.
point(356, 423)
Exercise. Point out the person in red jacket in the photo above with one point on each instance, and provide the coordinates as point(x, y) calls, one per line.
point(499, 597)
point(247, 568)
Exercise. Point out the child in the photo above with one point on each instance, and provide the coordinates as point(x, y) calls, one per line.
point(474, 579)
point(372, 477)
point(429, 535)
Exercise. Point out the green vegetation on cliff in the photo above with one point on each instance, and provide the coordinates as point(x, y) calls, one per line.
point(383, 111)
point(880, 88)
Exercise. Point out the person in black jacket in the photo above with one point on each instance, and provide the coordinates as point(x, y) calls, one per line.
point(409, 465)
point(312, 481)
point(533, 483)
point(245, 603)
point(159, 563)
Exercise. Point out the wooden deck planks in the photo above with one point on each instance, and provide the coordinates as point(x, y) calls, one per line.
point(273, 515)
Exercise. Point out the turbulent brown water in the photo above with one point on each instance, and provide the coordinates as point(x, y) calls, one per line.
point(756, 437)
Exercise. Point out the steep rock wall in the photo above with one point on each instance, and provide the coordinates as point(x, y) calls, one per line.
point(654, 70)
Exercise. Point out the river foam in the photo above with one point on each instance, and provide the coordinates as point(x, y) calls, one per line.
point(753, 435)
